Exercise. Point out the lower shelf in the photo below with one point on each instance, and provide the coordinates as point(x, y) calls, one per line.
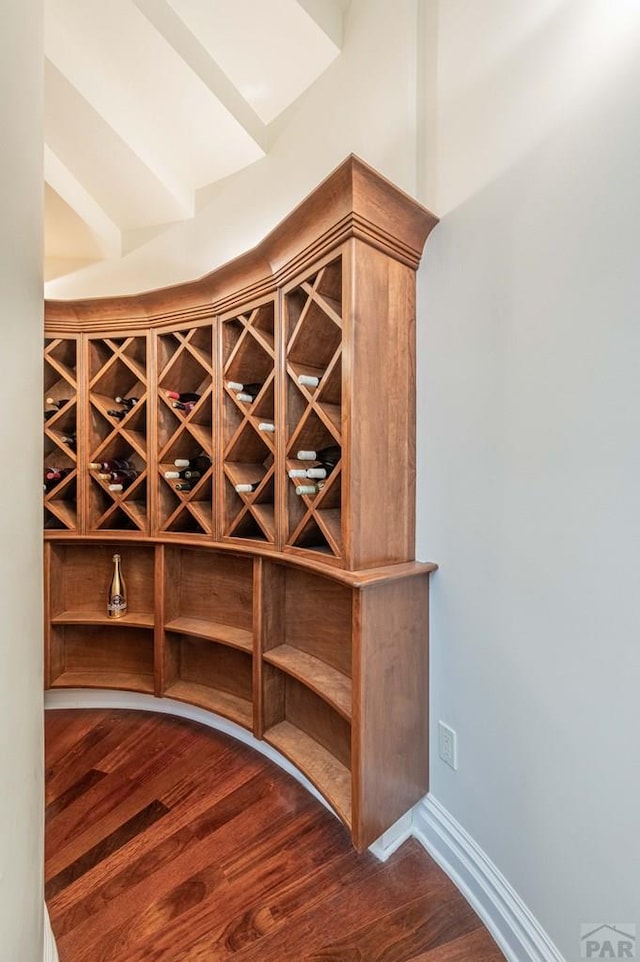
point(211, 675)
point(330, 776)
point(94, 656)
point(127, 681)
point(236, 709)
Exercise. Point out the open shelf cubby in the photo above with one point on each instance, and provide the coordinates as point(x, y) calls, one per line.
point(210, 675)
point(300, 615)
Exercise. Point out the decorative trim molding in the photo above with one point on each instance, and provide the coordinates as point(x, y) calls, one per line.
point(50, 951)
point(516, 931)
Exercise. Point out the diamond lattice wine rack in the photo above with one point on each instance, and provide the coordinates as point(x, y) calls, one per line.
point(313, 312)
point(248, 428)
point(185, 441)
point(246, 443)
point(117, 433)
point(60, 434)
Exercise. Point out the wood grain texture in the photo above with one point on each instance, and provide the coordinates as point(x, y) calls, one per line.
point(169, 842)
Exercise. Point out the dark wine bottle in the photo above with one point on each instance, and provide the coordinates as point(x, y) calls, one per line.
point(53, 477)
point(113, 464)
point(327, 457)
point(251, 387)
point(200, 463)
point(124, 481)
point(184, 485)
point(117, 415)
point(127, 402)
point(59, 403)
point(70, 440)
point(183, 396)
point(119, 477)
point(50, 414)
point(185, 473)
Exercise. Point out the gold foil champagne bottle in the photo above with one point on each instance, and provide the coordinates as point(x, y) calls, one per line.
point(117, 600)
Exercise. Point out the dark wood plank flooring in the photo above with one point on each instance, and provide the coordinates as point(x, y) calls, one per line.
point(169, 842)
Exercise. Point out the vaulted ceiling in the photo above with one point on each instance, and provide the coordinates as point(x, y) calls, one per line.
point(148, 102)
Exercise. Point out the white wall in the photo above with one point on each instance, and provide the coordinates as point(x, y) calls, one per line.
point(529, 453)
point(363, 104)
point(20, 517)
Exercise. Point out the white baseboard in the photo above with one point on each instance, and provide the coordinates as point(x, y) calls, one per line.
point(516, 931)
point(50, 951)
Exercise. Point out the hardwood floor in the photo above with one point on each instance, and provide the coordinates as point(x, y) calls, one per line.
point(169, 842)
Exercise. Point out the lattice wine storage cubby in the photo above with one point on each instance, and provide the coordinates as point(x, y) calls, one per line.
point(61, 434)
point(313, 323)
point(246, 443)
point(185, 430)
point(248, 425)
point(117, 433)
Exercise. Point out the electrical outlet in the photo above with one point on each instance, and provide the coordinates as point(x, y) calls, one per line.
point(448, 747)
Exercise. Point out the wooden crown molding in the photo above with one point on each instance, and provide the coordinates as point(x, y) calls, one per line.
point(354, 201)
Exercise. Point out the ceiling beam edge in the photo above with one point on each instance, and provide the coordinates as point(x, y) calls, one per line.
point(169, 25)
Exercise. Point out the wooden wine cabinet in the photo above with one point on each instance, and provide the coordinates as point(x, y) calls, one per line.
point(303, 618)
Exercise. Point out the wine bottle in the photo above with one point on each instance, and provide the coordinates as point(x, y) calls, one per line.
point(113, 464)
point(328, 457)
point(184, 485)
point(252, 387)
point(186, 473)
point(53, 477)
point(60, 403)
point(56, 474)
point(185, 406)
point(50, 414)
point(298, 473)
point(183, 396)
point(119, 477)
point(117, 415)
point(247, 488)
point(128, 402)
point(266, 426)
point(70, 440)
point(118, 486)
point(307, 380)
point(117, 598)
point(309, 488)
point(200, 463)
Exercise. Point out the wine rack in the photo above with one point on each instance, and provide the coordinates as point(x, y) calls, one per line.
point(118, 368)
point(313, 318)
point(60, 434)
point(185, 365)
point(301, 616)
point(248, 429)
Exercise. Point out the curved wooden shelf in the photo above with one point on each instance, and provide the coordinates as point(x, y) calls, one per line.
point(332, 685)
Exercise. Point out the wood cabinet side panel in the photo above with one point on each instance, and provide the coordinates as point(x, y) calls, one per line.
point(391, 709)
point(380, 371)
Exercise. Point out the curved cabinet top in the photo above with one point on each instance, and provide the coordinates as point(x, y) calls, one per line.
point(353, 201)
